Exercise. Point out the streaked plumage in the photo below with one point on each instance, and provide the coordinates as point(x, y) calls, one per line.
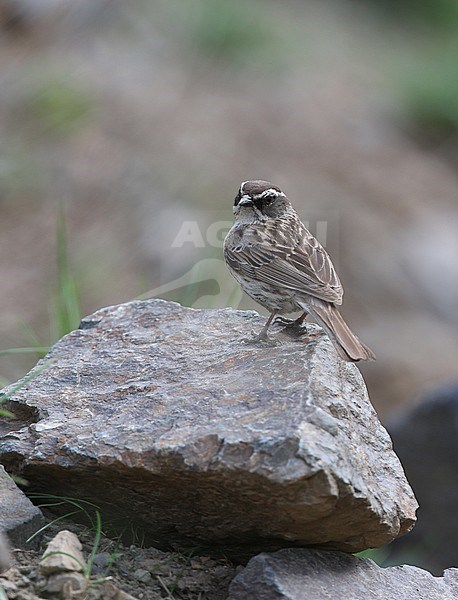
point(279, 263)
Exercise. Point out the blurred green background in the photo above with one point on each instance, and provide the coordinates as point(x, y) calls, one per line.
point(120, 121)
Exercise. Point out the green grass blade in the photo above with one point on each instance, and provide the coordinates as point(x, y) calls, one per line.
point(56, 520)
point(67, 314)
point(41, 350)
point(96, 543)
point(79, 504)
point(6, 413)
point(25, 380)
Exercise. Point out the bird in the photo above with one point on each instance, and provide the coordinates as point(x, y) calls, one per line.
point(284, 268)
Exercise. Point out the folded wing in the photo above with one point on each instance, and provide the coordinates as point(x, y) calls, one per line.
point(304, 268)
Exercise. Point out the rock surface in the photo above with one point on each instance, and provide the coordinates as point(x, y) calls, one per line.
point(426, 439)
point(19, 518)
point(305, 574)
point(167, 419)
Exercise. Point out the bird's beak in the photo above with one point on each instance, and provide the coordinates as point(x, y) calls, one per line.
point(245, 201)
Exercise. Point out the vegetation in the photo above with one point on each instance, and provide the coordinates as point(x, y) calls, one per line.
point(78, 507)
point(423, 71)
point(59, 107)
point(431, 95)
point(65, 313)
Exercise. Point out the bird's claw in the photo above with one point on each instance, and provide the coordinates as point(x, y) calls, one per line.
point(260, 337)
point(294, 330)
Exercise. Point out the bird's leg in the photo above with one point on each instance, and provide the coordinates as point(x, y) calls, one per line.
point(262, 335)
point(301, 319)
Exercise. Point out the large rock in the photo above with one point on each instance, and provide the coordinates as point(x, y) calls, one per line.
point(426, 439)
point(305, 574)
point(19, 518)
point(166, 418)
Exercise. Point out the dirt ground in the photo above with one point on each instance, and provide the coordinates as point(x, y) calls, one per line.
point(121, 572)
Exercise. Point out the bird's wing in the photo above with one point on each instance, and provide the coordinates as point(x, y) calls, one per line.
point(303, 267)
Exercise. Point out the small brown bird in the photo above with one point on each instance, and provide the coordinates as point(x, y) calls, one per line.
point(279, 263)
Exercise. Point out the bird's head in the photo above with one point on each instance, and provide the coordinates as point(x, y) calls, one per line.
point(260, 200)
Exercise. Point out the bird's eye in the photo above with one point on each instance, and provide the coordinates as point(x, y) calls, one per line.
point(268, 199)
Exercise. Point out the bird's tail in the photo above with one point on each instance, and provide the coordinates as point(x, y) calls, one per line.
point(348, 346)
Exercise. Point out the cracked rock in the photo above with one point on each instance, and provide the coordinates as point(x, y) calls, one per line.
point(164, 416)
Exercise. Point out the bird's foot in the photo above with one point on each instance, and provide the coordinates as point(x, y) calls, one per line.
point(294, 330)
point(284, 321)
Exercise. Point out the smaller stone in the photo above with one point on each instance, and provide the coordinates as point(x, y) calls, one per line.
point(123, 570)
point(11, 574)
point(66, 584)
point(151, 564)
point(194, 583)
point(142, 575)
point(8, 586)
point(222, 571)
point(22, 582)
point(155, 566)
point(101, 562)
point(210, 563)
point(25, 569)
point(111, 592)
point(64, 553)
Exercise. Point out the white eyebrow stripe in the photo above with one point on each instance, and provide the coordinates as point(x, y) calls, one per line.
point(269, 192)
point(241, 186)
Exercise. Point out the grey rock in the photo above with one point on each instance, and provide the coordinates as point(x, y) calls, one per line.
point(101, 562)
point(142, 575)
point(19, 518)
point(8, 586)
point(66, 585)
point(150, 564)
point(426, 439)
point(306, 574)
point(165, 416)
